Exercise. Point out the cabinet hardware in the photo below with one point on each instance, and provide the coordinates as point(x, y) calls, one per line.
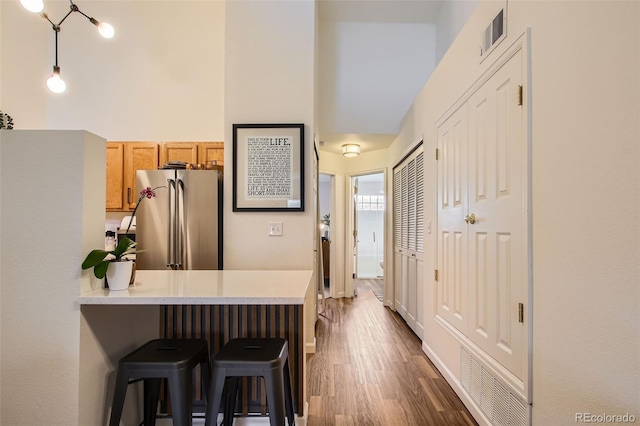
point(520, 312)
point(435, 275)
point(520, 95)
point(129, 196)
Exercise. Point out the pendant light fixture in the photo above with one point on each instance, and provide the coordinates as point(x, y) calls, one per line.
point(55, 83)
point(350, 150)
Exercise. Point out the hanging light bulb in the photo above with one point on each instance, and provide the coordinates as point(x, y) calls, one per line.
point(35, 6)
point(55, 83)
point(105, 29)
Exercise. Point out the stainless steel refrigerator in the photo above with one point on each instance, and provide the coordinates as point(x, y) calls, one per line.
point(181, 227)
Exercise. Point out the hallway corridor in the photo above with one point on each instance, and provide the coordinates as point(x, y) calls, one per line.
point(369, 370)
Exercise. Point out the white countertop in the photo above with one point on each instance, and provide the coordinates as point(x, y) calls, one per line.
point(226, 287)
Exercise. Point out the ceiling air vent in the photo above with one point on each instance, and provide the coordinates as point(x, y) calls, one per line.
point(493, 34)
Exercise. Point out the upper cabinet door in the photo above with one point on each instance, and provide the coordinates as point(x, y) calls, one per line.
point(137, 156)
point(115, 176)
point(179, 151)
point(209, 151)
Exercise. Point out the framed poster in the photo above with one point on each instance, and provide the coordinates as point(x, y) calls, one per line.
point(268, 167)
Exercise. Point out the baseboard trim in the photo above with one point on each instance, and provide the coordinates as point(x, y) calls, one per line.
point(310, 348)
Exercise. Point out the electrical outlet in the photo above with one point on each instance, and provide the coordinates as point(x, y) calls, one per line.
point(275, 229)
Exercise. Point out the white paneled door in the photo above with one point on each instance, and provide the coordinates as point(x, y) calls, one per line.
point(482, 218)
point(497, 165)
point(453, 237)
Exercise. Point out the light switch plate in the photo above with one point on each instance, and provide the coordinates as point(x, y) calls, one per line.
point(275, 229)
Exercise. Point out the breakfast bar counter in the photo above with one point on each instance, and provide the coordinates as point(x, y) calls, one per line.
point(215, 305)
point(225, 287)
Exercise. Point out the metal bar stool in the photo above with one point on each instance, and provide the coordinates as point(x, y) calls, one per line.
point(248, 357)
point(173, 359)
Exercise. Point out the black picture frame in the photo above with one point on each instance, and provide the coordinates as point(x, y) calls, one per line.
point(268, 167)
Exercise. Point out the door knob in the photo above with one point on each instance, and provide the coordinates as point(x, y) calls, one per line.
point(470, 218)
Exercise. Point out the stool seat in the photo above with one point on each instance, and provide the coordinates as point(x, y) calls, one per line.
point(171, 359)
point(248, 357)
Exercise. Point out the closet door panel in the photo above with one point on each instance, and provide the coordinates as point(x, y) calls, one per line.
point(412, 291)
point(497, 272)
point(408, 239)
point(451, 288)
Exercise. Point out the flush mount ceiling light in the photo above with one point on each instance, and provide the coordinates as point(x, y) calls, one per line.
point(351, 150)
point(55, 83)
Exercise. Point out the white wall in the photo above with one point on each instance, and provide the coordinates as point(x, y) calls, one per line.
point(585, 186)
point(269, 79)
point(585, 160)
point(160, 78)
point(452, 15)
point(51, 217)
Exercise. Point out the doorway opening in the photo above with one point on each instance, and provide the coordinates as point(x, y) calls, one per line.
point(325, 185)
point(370, 212)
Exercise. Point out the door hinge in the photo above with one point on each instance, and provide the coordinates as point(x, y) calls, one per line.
point(435, 275)
point(353, 276)
point(437, 154)
point(520, 95)
point(521, 312)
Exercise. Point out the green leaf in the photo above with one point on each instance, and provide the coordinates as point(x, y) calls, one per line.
point(94, 258)
point(124, 245)
point(101, 269)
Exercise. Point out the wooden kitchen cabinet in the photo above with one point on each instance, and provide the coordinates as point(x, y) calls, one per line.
point(192, 152)
point(179, 151)
point(208, 151)
point(123, 160)
point(115, 176)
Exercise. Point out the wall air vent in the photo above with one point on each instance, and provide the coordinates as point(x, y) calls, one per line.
point(495, 399)
point(493, 34)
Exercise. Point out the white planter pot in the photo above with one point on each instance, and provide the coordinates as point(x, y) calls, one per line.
point(119, 275)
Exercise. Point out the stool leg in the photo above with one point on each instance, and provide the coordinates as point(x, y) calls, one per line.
point(151, 393)
point(181, 393)
point(275, 395)
point(215, 395)
point(230, 397)
point(205, 374)
point(119, 393)
point(288, 394)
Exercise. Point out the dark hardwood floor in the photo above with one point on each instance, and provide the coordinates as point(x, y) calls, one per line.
point(369, 369)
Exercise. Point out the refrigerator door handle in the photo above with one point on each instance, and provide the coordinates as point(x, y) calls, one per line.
point(179, 257)
point(170, 225)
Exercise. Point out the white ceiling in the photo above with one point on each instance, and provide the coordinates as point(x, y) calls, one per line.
point(375, 56)
point(404, 11)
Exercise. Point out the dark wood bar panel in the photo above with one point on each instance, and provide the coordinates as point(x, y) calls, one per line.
point(219, 323)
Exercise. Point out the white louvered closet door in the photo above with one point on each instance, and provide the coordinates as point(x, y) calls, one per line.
point(408, 217)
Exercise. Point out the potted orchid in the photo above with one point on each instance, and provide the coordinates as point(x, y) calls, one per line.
point(100, 260)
